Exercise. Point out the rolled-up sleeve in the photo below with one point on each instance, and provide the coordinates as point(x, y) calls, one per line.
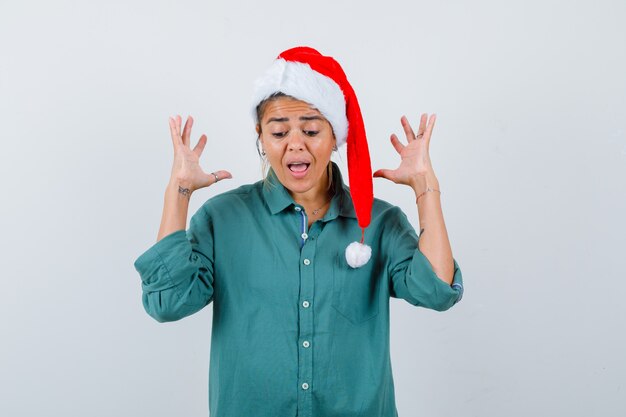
point(412, 277)
point(177, 271)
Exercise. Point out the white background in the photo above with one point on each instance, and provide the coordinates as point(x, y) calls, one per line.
point(529, 148)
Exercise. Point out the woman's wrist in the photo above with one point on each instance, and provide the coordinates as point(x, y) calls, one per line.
point(179, 187)
point(435, 192)
point(422, 183)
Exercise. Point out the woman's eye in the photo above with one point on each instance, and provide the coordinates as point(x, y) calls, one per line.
point(311, 132)
point(279, 134)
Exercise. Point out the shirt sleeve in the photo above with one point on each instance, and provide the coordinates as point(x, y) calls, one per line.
point(412, 277)
point(177, 271)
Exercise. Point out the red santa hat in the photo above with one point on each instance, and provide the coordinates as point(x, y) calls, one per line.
point(319, 80)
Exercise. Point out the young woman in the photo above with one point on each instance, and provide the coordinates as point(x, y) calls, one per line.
point(301, 314)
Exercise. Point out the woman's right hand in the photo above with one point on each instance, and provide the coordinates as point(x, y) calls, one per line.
point(186, 170)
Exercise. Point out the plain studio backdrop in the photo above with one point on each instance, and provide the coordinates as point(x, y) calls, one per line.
point(529, 148)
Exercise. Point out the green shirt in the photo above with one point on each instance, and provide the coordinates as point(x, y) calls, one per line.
point(296, 331)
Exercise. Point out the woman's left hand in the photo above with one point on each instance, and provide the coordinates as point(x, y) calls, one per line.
point(415, 168)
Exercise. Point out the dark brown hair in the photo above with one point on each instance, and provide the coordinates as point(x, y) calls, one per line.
point(260, 108)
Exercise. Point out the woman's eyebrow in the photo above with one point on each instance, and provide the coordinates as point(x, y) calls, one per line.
point(286, 119)
point(278, 119)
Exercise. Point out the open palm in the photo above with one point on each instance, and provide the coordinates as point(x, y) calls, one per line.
point(186, 167)
point(415, 163)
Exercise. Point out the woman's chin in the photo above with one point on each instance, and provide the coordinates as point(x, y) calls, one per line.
point(298, 187)
point(299, 183)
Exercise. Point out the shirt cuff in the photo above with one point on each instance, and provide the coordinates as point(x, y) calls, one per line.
point(166, 253)
point(440, 295)
point(457, 281)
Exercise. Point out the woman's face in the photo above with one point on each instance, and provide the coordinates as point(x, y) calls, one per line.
point(298, 142)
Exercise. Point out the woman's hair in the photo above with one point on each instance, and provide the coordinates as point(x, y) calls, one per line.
point(260, 108)
point(260, 111)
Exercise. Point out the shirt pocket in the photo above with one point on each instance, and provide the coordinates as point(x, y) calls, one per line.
point(355, 291)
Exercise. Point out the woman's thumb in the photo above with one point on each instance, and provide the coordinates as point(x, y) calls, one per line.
point(384, 173)
point(216, 176)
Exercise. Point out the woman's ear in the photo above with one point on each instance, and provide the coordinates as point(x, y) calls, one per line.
point(258, 129)
point(259, 146)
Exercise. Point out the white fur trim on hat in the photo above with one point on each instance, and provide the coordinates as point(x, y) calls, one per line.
point(299, 80)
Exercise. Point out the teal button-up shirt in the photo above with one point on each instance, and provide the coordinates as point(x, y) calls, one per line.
point(296, 331)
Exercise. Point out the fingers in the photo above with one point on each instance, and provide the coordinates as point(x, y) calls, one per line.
point(422, 128)
point(216, 176)
point(176, 139)
point(426, 128)
point(177, 123)
point(408, 130)
point(199, 148)
point(385, 173)
point(429, 128)
point(187, 130)
point(223, 174)
point(183, 138)
point(396, 143)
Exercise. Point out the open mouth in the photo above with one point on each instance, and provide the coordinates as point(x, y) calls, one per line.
point(298, 167)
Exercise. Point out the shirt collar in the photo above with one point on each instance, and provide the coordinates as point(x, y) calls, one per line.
point(278, 198)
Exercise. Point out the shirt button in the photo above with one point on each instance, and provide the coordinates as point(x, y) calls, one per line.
point(305, 386)
point(307, 262)
point(304, 235)
point(297, 209)
point(306, 343)
point(305, 304)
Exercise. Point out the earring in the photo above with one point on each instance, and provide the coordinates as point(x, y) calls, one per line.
point(335, 147)
point(263, 152)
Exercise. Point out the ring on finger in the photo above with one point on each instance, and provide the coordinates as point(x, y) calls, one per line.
point(216, 177)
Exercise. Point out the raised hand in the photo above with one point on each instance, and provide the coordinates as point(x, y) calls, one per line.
point(186, 170)
point(415, 167)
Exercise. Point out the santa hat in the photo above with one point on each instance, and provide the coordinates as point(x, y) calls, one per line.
point(319, 80)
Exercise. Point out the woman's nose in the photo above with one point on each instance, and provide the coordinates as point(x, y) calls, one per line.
point(296, 141)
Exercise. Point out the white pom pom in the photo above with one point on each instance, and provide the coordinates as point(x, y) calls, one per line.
point(357, 254)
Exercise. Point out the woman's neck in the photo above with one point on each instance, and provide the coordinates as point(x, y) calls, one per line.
point(312, 201)
point(315, 197)
point(316, 209)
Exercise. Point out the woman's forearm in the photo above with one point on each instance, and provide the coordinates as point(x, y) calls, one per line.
point(434, 242)
point(175, 209)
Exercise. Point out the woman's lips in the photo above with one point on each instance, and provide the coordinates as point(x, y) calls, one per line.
point(298, 169)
